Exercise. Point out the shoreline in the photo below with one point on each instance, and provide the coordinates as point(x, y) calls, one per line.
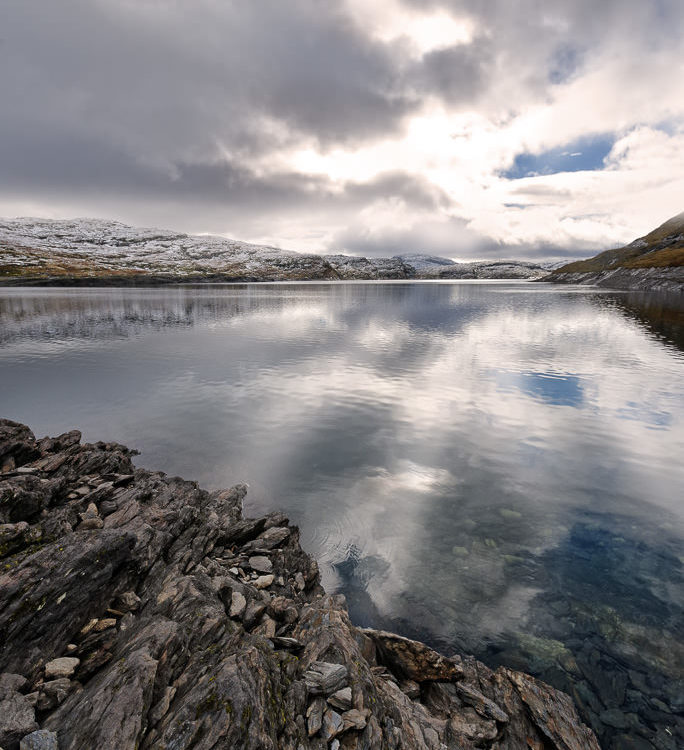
point(140, 611)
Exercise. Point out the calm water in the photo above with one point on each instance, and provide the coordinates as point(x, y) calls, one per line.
point(495, 467)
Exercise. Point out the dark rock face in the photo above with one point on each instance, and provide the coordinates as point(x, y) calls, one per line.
point(163, 626)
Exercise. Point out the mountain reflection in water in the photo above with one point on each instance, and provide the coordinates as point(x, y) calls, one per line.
point(494, 467)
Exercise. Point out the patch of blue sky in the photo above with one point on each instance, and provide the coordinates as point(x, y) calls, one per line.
point(553, 388)
point(584, 154)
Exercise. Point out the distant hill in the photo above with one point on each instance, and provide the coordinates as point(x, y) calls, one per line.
point(655, 261)
point(98, 252)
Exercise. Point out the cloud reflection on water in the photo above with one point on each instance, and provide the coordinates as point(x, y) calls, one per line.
point(425, 436)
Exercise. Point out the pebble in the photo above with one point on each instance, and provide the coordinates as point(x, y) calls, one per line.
point(342, 699)
point(39, 740)
point(261, 564)
point(314, 716)
point(263, 582)
point(238, 604)
point(325, 678)
point(355, 719)
point(65, 666)
point(129, 601)
point(106, 622)
point(332, 724)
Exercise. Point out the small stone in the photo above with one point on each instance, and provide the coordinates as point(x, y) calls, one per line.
point(261, 564)
point(253, 613)
point(107, 507)
point(92, 511)
point(267, 627)
point(238, 604)
point(484, 706)
point(325, 678)
point(71, 647)
point(314, 716)
point(234, 571)
point(129, 601)
point(355, 719)
point(88, 524)
point(332, 724)
point(11, 683)
point(263, 582)
point(40, 740)
point(62, 667)
point(87, 628)
point(342, 699)
point(299, 582)
point(106, 622)
point(284, 609)
point(17, 718)
point(335, 745)
point(53, 693)
point(410, 688)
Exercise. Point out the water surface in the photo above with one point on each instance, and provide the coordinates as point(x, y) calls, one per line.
point(494, 467)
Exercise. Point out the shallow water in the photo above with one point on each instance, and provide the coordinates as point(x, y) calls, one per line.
point(494, 467)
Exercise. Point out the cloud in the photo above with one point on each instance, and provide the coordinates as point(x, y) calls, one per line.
point(363, 125)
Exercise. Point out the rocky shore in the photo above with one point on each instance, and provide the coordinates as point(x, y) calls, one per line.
point(670, 280)
point(140, 611)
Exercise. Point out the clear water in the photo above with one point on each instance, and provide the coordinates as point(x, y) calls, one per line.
point(495, 467)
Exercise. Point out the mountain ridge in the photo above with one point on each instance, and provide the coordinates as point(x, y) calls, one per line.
point(654, 261)
point(95, 251)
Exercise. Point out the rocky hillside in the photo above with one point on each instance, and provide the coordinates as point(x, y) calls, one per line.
point(139, 611)
point(655, 261)
point(89, 251)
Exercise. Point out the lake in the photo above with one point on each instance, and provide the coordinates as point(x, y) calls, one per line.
point(493, 467)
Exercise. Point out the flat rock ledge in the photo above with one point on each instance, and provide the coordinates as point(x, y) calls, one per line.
point(140, 611)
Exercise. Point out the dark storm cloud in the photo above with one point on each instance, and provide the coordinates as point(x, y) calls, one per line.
point(166, 80)
point(455, 74)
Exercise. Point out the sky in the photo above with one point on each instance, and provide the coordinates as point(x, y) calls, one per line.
point(530, 129)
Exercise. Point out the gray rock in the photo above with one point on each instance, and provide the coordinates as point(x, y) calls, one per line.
point(11, 683)
point(129, 601)
point(412, 659)
point(324, 678)
point(314, 716)
point(484, 706)
point(355, 719)
point(342, 699)
point(263, 582)
point(53, 693)
point(17, 719)
point(238, 605)
point(332, 724)
point(65, 666)
point(39, 740)
point(261, 564)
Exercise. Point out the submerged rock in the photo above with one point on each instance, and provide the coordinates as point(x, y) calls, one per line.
point(148, 632)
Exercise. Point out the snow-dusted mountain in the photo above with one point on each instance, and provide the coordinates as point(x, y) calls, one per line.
point(97, 251)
